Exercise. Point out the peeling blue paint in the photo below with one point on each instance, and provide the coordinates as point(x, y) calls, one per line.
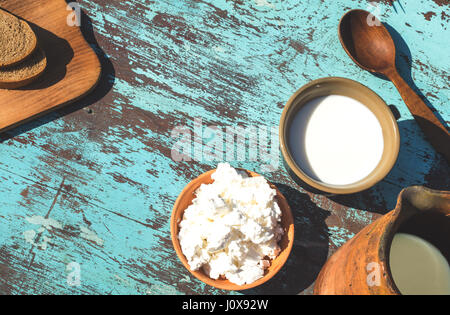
point(226, 62)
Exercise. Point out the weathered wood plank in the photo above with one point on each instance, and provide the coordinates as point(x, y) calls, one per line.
point(105, 177)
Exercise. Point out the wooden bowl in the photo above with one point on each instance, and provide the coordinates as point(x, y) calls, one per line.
point(287, 222)
point(361, 93)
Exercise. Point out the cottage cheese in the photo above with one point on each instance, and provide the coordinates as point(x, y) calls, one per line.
point(232, 227)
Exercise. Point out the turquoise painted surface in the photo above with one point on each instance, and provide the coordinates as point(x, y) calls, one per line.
point(96, 186)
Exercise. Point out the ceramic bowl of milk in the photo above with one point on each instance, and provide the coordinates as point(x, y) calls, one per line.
point(338, 136)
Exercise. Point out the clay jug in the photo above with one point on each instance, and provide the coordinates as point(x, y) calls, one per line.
point(361, 266)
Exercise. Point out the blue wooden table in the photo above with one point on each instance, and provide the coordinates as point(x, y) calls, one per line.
point(86, 193)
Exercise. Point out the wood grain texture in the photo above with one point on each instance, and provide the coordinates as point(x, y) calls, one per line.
point(104, 163)
point(73, 68)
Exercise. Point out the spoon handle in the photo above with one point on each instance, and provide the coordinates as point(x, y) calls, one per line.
point(434, 130)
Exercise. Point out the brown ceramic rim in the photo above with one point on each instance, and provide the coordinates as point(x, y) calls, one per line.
point(384, 116)
point(276, 264)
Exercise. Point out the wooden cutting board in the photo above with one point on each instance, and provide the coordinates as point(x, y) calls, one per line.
point(73, 68)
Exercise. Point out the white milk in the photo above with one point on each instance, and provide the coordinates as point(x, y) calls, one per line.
point(336, 140)
point(418, 267)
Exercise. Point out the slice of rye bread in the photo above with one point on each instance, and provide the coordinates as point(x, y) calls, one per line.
point(17, 39)
point(24, 73)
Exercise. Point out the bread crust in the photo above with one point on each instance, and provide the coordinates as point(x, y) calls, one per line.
point(30, 35)
point(23, 74)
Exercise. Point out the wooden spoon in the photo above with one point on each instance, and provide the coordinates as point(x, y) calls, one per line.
point(369, 44)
